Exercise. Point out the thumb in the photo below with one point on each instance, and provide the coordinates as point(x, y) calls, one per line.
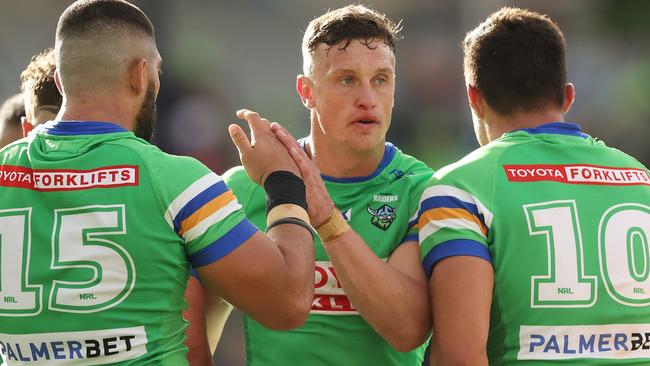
point(239, 138)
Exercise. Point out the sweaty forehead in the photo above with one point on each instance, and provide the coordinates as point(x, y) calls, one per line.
point(356, 56)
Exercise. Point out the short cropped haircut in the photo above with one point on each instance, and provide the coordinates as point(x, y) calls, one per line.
point(84, 15)
point(38, 80)
point(516, 59)
point(345, 24)
point(11, 111)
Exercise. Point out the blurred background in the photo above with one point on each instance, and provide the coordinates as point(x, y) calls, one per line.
point(220, 56)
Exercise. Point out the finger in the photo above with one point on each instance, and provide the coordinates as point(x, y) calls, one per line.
point(239, 138)
point(305, 166)
point(285, 137)
point(256, 123)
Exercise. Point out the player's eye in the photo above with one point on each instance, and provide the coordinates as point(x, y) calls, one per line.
point(347, 80)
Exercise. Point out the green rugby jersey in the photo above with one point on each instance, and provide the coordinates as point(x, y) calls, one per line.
point(97, 232)
point(379, 208)
point(565, 221)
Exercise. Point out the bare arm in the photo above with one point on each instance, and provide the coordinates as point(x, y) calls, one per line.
point(381, 291)
point(269, 277)
point(270, 280)
point(461, 295)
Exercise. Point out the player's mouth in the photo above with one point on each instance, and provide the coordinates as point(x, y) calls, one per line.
point(365, 122)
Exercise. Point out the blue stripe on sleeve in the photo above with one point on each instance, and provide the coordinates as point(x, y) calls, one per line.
point(199, 201)
point(224, 245)
point(413, 223)
point(453, 248)
point(449, 202)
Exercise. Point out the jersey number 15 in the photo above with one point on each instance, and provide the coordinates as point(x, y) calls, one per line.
point(79, 245)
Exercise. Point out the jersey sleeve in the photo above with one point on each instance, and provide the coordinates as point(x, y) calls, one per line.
point(420, 181)
point(200, 208)
point(451, 222)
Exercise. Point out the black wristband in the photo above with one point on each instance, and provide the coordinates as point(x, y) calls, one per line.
point(284, 187)
point(292, 220)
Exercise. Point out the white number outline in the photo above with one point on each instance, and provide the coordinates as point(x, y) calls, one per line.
point(601, 256)
point(90, 237)
point(26, 212)
point(550, 274)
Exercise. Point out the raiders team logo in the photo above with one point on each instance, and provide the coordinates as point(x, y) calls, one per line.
point(383, 216)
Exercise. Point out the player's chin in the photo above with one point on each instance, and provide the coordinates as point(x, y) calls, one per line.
point(365, 142)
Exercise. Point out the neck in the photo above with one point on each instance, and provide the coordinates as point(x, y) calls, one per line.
point(97, 109)
point(497, 125)
point(343, 162)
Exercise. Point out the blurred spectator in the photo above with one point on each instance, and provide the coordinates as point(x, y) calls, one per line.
point(13, 109)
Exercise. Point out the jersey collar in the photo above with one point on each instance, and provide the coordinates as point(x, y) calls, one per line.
point(389, 153)
point(556, 128)
point(74, 128)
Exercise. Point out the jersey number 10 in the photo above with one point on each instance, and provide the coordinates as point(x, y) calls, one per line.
point(79, 248)
point(623, 255)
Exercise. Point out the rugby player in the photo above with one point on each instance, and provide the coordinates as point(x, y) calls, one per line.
point(11, 112)
point(42, 98)
point(99, 227)
point(536, 244)
point(370, 305)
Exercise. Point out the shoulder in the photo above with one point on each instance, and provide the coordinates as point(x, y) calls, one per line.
point(408, 164)
point(236, 176)
point(480, 164)
point(14, 149)
point(243, 187)
point(165, 165)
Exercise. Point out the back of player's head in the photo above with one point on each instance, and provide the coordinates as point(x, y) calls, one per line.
point(340, 26)
point(10, 113)
point(515, 58)
point(39, 88)
point(96, 40)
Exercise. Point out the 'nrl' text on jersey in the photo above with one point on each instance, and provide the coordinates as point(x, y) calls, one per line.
point(97, 231)
point(380, 208)
point(565, 221)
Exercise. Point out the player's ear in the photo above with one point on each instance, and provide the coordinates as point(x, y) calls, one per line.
point(57, 81)
point(138, 76)
point(304, 87)
point(27, 126)
point(476, 101)
point(569, 97)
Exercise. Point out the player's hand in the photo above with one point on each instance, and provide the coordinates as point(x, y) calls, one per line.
point(263, 154)
point(319, 203)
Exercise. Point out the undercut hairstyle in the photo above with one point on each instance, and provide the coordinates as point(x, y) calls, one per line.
point(516, 59)
point(341, 26)
point(37, 80)
point(96, 38)
point(96, 15)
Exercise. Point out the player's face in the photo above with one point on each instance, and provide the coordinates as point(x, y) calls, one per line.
point(146, 118)
point(353, 94)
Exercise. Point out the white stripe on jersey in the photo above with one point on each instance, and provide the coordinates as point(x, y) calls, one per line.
point(207, 222)
point(434, 225)
point(445, 190)
point(188, 194)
